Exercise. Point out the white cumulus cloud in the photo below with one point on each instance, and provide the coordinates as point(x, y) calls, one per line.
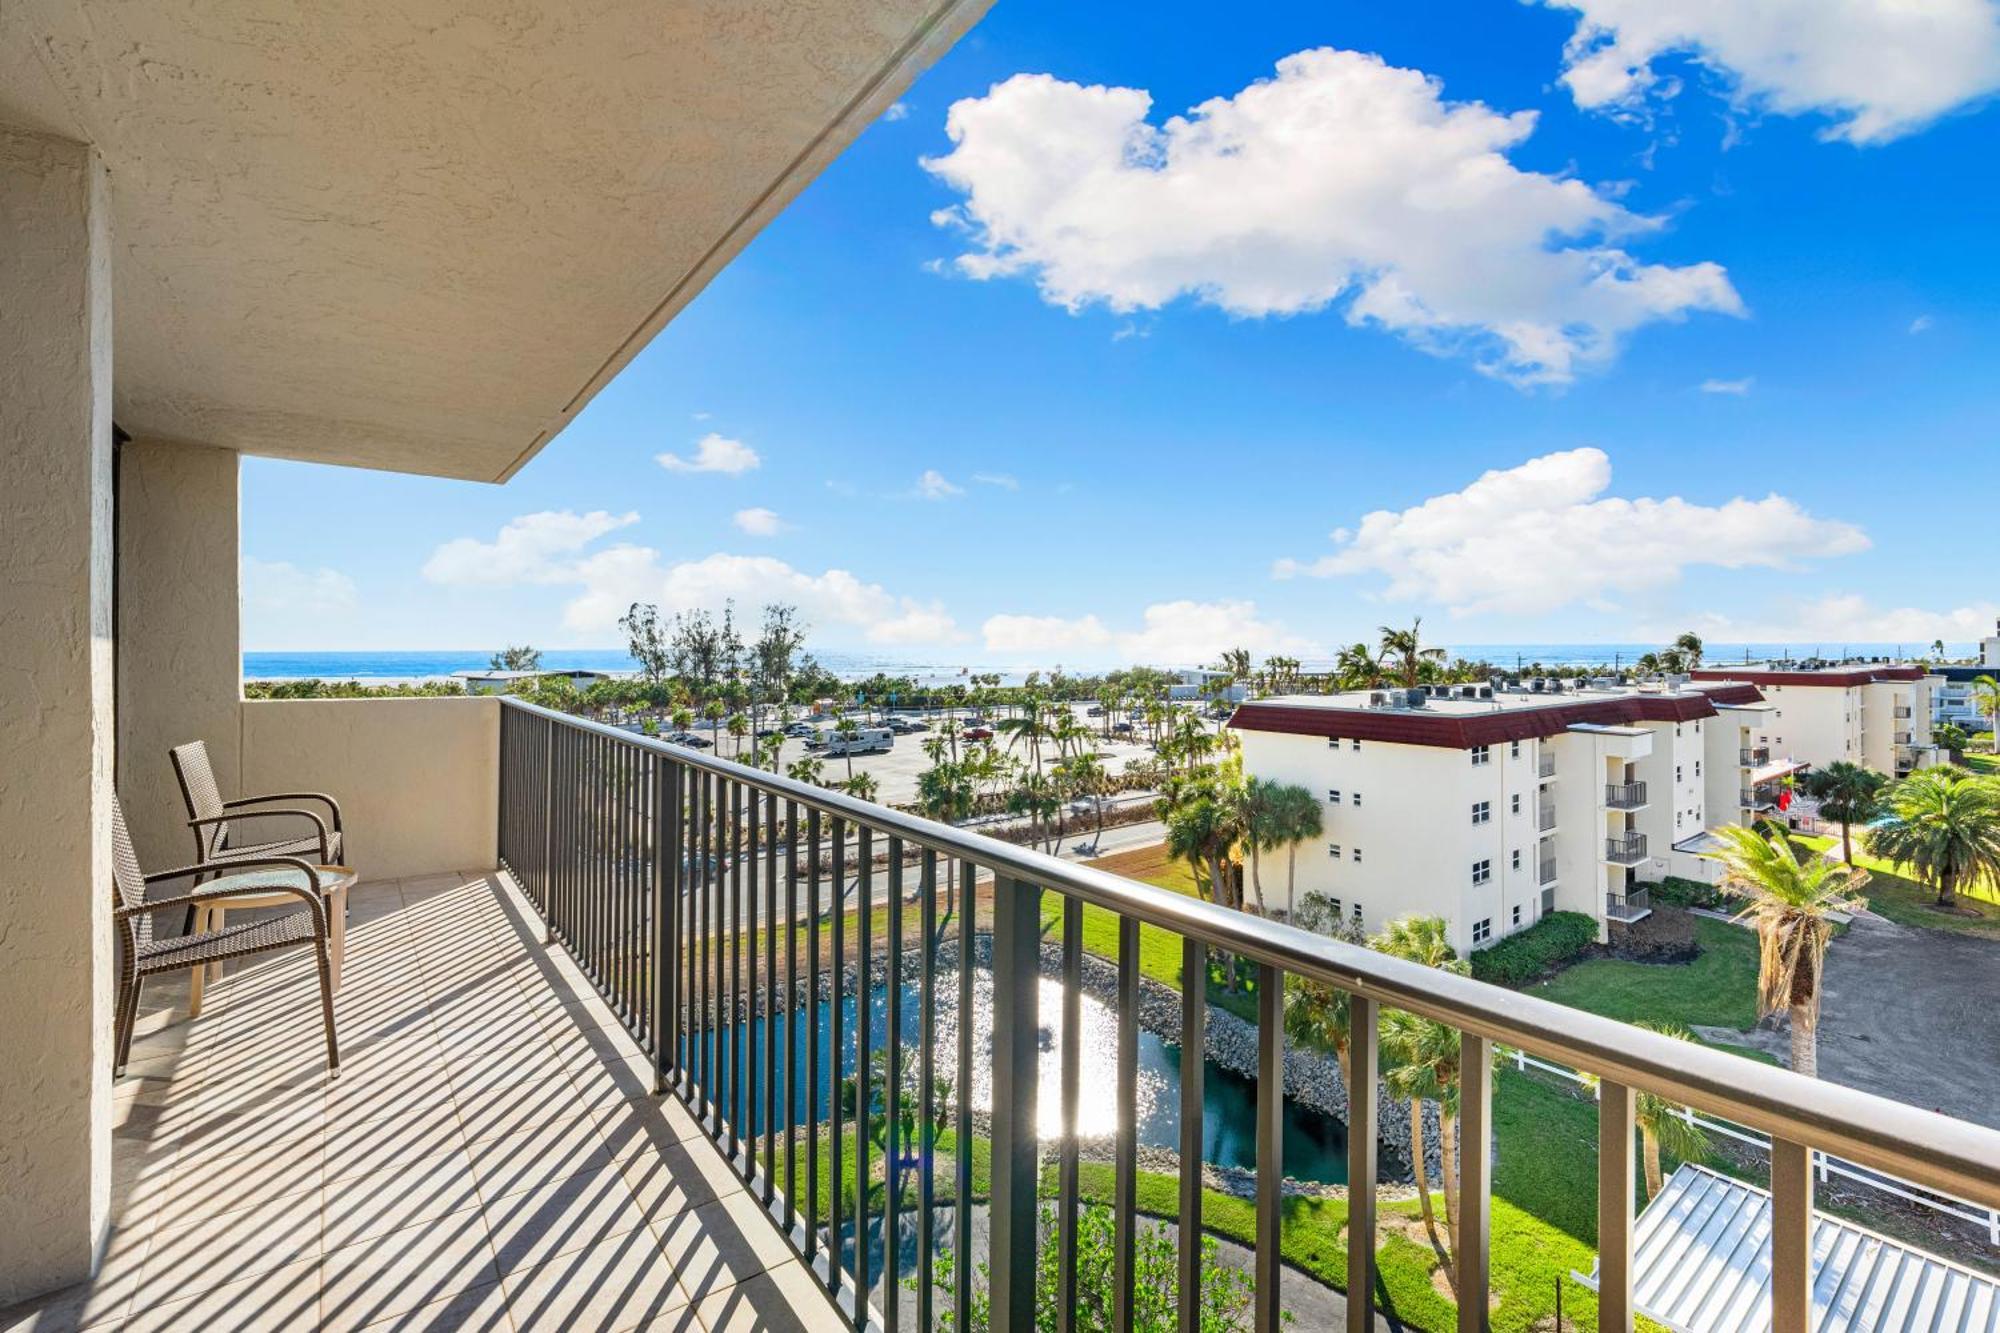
point(759, 521)
point(1879, 69)
point(534, 548)
point(934, 485)
point(1341, 179)
point(1169, 633)
point(713, 453)
point(1544, 535)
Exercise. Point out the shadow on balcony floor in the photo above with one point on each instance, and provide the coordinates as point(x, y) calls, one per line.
point(489, 1156)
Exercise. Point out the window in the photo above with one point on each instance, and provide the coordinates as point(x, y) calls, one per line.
point(1357, 853)
point(1482, 871)
point(1481, 754)
point(1517, 914)
point(1357, 913)
point(1357, 798)
point(1517, 803)
point(1354, 744)
point(1333, 850)
point(1517, 858)
point(1333, 904)
point(1333, 796)
point(1482, 930)
point(1482, 811)
point(1514, 749)
point(1697, 768)
point(1677, 773)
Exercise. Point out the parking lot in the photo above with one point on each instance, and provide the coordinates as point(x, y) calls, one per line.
point(896, 772)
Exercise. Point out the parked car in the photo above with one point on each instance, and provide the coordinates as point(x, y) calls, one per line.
point(801, 730)
point(1095, 710)
point(1121, 729)
point(977, 734)
point(688, 738)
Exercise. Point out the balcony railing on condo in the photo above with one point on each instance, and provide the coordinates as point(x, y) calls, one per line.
point(1753, 799)
point(1902, 713)
point(1625, 795)
point(1545, 873)
point(1545, 818)
point(701, 895)
point(1625, 849)
point(1754, 755)
point(1632, 905)
point(1901, 738)
point(1545, 764)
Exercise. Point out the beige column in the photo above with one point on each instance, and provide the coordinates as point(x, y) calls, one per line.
point(179, 663)
point(55, 712)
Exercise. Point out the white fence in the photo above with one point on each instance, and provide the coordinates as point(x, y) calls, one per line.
point(1824, 1165)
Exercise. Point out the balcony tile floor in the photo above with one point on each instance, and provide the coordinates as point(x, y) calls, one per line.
point(489, 1157)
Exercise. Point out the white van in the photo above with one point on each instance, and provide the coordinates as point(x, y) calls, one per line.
point(863, 740)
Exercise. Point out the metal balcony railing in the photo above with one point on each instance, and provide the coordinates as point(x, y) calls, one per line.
point(1626, 850)
point(1901, 738)
point(1545, 818)
point(1545, 873)
point(700, 895)
point(1632, 905)
point(1902, 714)
point(1625, 795)
point(1545, 764)
point(1752, 799)
point(1756, 754)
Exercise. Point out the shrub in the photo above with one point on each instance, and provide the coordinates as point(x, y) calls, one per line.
point(1678, 892)
point(1530, 954)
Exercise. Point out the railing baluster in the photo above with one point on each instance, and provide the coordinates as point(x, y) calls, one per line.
point(705, 881)
point(1270, 1144)
point(863, 1077)
point(1614, 1207)
point(892, 1092)
point(812, 1112)
point(746, 943)
point(1363, 1060)
point(666, 887)
point(1194, 1047)
point(771, 1008)
point(927, 922)
point(836, 1154)
point(1475, 1178)
point(1125, 1178)
point(731, 1025)
point(1791, 1236)
point(1016, 1057)
point(1068, 1186)
point(791, 1011)
point(961, 1199)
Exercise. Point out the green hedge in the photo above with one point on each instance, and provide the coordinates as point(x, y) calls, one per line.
point(1678, 892)
point(1541, 948)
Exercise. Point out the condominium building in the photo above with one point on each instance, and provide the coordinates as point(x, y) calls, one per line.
point(1875, 713)
point(1953, 699)
point(1493, 805)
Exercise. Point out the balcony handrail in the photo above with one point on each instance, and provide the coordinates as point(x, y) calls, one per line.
point(1930, 1149)
point(1625, 793)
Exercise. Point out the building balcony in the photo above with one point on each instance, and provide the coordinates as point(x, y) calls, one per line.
point(1634, 905)
point(1902, 714)
point(1545, 764)
point(555, 1107)
point(1753, 799)
point(1625, 795)
point(1901, 738)
point(1545, 818)
point(1754, 755)
point(1626, 850)
point(1545, 873)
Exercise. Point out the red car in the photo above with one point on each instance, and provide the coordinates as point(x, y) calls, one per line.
point(977, 734)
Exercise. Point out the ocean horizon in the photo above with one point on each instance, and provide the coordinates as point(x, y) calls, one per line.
point(410, 665)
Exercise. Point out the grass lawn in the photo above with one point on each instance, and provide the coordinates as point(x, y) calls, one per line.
point(1909, 902)
point(1718, 989)
point(1983, 763)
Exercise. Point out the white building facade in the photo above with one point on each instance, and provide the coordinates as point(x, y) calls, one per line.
point(1493, 807)
point(1875, 714)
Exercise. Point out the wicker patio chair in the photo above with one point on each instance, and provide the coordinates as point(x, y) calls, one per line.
point(146, 956)
point(216, 822)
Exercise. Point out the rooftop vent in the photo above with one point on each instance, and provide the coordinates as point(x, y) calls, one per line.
point(1378, 698)
point(1414, 698)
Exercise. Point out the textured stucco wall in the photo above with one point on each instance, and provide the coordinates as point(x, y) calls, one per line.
point(178, 662)
point(417, 779)
point(55, 712)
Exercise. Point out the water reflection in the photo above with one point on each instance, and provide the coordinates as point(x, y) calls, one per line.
point(1315, 1145)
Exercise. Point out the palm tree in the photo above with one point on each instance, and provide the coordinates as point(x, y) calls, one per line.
point(848, 731)
point(1300, 819)
point(767, 751)
point(862, 786)
point(1790, 903)
point(739, 728)
point(1664, 1125)
point(1259, 809)
point(1200, 831)
point(1688, 645)
point(1987, 690)
point(806, 769)
point(1944, 824)
point(1849, 794)
point(1357, 668)
point(1405, 648)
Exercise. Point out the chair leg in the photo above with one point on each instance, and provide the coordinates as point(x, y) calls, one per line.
point(326, 1007)
point(128, 1017)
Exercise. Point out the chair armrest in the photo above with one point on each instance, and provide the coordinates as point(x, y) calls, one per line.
point(325, 848)
point(235, 867)
point(309, 895)
point(331, 804)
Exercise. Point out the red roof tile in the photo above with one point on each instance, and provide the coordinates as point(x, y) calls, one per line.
point(1462, 731)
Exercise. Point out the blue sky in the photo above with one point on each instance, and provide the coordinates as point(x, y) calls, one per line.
point(1713, 298)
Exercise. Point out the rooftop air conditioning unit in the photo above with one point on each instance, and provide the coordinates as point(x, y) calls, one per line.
point(1486, 691)
point(1415, 698)
point(1555, 686)
point(1378, 699)
point(1537, 685)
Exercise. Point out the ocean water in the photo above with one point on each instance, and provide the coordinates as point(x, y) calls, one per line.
point(412, 665)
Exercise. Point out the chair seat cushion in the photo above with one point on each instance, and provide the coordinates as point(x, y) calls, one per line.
point(232, 941)
point(303, 847)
